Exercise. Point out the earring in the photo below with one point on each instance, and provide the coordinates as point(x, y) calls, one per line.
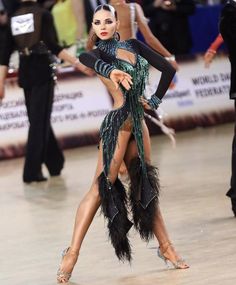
point(94, 38)
point(116, 36)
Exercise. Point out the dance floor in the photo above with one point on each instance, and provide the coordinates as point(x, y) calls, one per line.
point(36, 220)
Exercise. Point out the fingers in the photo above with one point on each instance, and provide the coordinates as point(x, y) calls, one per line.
point(126, 80)
point(125, 83)
point(144, 102)
point(208, 58)
point(129, 79)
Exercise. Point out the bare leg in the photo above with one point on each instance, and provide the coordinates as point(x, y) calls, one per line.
point(90, 204)
point(159, 230)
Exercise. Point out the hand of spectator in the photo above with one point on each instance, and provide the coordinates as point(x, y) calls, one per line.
point(158, 3)
point(120, 77)
point(168, 5)
point(208, 57)
point(174, 64)
point(3, 18)
point(2, 91)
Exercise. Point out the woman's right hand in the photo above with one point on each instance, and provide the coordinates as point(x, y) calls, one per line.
point(120, 77)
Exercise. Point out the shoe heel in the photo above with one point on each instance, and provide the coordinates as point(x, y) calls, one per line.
point(178, 264)
point(161, 256)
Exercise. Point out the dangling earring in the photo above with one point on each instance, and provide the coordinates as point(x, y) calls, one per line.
point(116, 36)
point(94, 37)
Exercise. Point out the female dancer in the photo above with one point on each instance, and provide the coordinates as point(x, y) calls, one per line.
point(123, 67)
point(131, 17)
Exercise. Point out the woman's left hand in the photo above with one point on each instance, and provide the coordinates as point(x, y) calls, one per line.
point(145, 103)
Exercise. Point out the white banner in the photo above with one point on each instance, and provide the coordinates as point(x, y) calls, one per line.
point(82, 102)
point(196, 90)
point(79, 107)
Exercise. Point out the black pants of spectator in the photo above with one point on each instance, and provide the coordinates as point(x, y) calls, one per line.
point(232, 191)
point(42, 146)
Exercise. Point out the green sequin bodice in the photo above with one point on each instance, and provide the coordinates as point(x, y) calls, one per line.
point(132, 109)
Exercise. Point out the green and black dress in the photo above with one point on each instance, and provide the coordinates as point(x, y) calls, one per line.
point(144, 184)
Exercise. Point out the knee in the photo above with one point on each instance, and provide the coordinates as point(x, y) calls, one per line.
point(94, 193)
point(113, 177)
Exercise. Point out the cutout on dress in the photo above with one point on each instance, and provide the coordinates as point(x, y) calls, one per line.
point(126, 55)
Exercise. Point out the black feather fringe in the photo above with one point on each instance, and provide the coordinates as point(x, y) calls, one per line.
point(114, 208)
point(144, 193)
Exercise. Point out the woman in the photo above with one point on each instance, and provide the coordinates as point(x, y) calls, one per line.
point(131, 17)
point(123, 67)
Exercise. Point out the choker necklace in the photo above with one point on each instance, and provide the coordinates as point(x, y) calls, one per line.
point(111, 45)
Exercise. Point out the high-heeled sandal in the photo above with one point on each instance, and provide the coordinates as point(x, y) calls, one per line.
point(62, 276)
point(178, 264)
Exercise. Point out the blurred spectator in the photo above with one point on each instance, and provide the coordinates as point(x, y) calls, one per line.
point(212, 50)
point(89, 7)
point(69, 21)
point(169, 23)
point(31, 31)
point(228, 32)
point(47, 4)
point(10, 5)
point(3, 14)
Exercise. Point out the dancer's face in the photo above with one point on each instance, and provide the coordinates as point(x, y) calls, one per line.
point(104, 24)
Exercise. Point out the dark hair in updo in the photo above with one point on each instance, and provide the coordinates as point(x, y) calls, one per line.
point(106, 7)
point(93, 39)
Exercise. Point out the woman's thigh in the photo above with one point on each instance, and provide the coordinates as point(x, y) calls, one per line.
point(118, 156)
point(132, 151)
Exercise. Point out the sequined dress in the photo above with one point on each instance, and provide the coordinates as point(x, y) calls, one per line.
point(144, 186)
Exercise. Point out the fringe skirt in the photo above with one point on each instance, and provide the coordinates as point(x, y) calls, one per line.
point(140, 204)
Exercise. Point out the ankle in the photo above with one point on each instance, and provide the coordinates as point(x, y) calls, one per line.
point(165, 245)
point(73, 252)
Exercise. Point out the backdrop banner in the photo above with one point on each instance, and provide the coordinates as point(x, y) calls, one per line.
point(196, 97)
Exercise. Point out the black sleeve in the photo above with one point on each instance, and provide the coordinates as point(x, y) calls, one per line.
point(185, 7)
point(6, 45)
point(148, 8)
point(49, 34)
point(93, 60)
point(160, 63)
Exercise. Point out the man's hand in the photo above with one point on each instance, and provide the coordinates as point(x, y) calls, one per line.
point(2, 91)
point(3, 76)
point(174, 64)
point(120, 77)
point(157, 3)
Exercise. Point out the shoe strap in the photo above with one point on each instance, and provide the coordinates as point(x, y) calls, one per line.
point(168, 244)
point(69, 251)
point(63, 274)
